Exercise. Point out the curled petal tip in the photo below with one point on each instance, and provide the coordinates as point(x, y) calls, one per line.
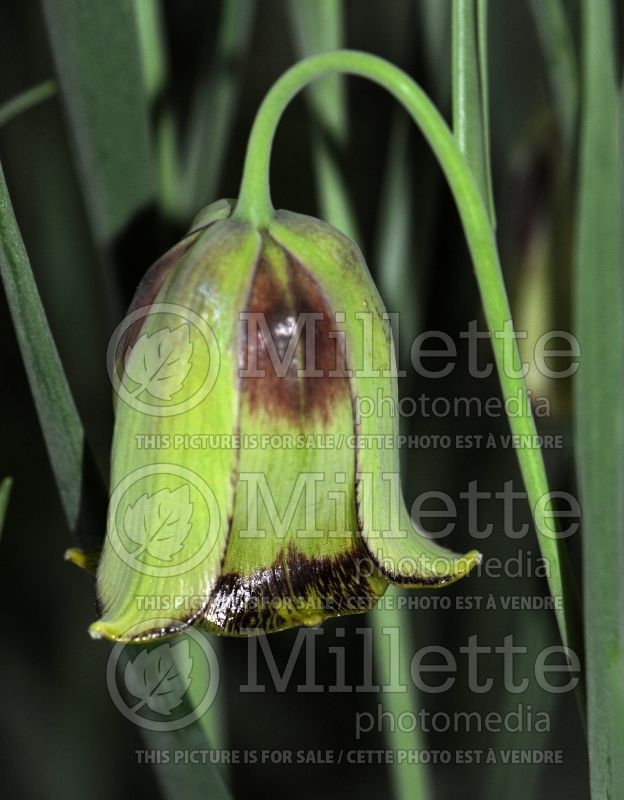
point(470, 561)
point(94, 633)
point(104, 630)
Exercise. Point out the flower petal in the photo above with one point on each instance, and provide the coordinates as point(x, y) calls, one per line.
point(404, 555)
point(293, 552)
point(172, 485)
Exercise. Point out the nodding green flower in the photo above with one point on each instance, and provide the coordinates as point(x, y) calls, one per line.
point(255, 469)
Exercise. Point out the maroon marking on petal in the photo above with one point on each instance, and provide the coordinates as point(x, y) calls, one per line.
point(293, 586)
point(292, 352)
point(271, 319)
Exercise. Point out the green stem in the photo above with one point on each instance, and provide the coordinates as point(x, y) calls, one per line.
point(255, 206)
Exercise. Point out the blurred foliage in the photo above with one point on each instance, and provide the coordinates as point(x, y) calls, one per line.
point(174, 107)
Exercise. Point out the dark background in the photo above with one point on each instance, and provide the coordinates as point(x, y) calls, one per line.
point(61, 734)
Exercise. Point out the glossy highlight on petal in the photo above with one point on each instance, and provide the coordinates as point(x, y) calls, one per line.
point(244, 497)
point(294, 326)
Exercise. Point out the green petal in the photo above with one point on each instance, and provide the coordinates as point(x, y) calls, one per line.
point(172, 486)
point(293, 553)
point(403, 554)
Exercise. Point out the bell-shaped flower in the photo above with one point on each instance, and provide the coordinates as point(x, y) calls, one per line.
point(255, 467)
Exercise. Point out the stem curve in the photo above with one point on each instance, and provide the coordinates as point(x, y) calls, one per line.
point(255, 206)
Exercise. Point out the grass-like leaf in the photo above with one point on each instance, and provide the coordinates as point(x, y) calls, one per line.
point(484, 73)
point(187, 781)
point(318, 27)
point(553, 29)
point(397, 280)
point(5, 494)
point(435, 19)
point(388, 620)
point(213, 107)
point(403, 233)
point(599, 308)
point(152, 47)
point(189, 167)
point(155, 63)
point(80, 491)
point(27, 99)
point(396, 283)
point(502, 779)
point(97, 56)
point(470, 91)
point(254, 204)
point(470, 123)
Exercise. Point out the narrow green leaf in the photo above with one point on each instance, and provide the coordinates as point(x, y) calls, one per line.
point(213, 108)
point(82, 495)
point(78, 485)
point(599, 413)
point(254, 204)
point(96, 51)
point(214, 722)
point(318, 27)
point(470, 120)
point(393, 640)
point(622, 155)
point(470, 91)
point(152, 47)
point(5, 493)
point(155, 63)
point(484, 72)
point(397, 254)
point(395, 257)
point(27, 99)
point(553, 29)
point(398, 283)
point(534, 631)
point(188, 781)
point(188, 171)
point(395, 221)
point(406, 209)
point(65, 441)
point(435, 20)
